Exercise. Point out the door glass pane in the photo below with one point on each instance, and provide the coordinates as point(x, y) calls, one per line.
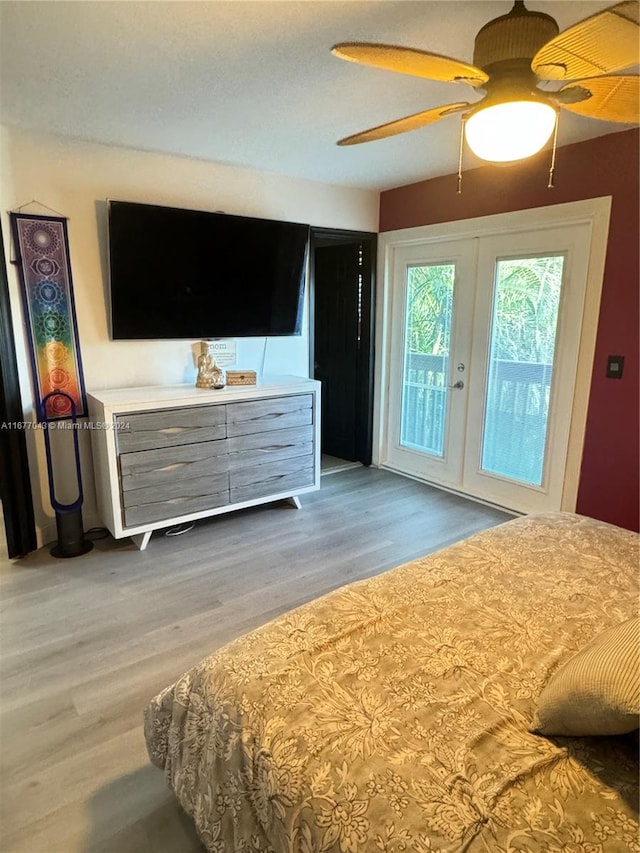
point(520, 373)
point(427, 334)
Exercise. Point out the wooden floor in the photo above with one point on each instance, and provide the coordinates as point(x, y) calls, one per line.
point(87, 642)
point(332, 464)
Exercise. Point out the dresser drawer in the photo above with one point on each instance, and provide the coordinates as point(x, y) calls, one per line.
point(168, 465)
point(170, 427)
point(247, 451)
point(195, 487)
point(271, 479)
point(266, 415)
point(154, 503)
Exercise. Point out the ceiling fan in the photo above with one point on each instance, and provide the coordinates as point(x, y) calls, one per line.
point(512, 55)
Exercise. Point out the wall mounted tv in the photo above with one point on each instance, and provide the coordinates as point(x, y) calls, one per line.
point(188, 274)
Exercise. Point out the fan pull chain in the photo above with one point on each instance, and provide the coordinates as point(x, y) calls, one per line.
point(460, 155)
point(553, 152)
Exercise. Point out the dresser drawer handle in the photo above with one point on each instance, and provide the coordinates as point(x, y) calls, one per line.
point(171, 430)
point(273, 447)
point(268, 417)
point(173, 467)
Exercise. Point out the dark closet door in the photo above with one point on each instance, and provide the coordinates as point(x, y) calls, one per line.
point(15, 486)
point(338, 287)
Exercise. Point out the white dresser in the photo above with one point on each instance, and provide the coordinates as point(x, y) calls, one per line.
point(172, 454)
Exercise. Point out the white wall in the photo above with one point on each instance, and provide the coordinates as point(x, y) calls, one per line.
point(75, 178)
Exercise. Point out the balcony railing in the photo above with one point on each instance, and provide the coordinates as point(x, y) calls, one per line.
point(515, 421)
point(424, 402)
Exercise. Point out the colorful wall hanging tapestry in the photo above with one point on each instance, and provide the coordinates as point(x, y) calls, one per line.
point(45, 274)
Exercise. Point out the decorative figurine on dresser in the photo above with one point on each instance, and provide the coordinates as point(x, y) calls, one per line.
point(209, 374)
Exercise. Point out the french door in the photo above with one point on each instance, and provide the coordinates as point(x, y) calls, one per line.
point(430, 352)
point(484, 347)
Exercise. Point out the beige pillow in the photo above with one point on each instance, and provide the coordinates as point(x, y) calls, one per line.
point(597, 691)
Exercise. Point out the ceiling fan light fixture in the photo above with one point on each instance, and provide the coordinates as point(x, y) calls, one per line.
point(508, 131)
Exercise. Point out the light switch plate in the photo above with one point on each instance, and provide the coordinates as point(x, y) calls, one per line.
point(615, 365)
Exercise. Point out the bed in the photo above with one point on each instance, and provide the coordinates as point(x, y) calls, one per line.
point(396, 713)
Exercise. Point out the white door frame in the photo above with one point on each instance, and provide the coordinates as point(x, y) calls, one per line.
point(595, 212)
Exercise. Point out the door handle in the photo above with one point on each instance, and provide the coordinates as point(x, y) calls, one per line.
point(459, 385)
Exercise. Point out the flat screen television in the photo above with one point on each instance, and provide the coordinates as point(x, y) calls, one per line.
point(189, 274)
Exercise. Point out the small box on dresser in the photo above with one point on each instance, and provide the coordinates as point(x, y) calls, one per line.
point(174, 454)
point(241, 377)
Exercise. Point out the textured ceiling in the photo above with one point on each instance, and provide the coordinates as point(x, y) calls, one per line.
point(250, 83)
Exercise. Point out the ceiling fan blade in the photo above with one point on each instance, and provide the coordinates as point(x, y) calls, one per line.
point(406, 60)
point(402, 125)
point(615, 98)
point(602, 43)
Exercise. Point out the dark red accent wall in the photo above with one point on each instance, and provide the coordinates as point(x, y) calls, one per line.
point(608, 165)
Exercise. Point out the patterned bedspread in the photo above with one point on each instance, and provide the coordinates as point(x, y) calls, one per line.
point(393, 714)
